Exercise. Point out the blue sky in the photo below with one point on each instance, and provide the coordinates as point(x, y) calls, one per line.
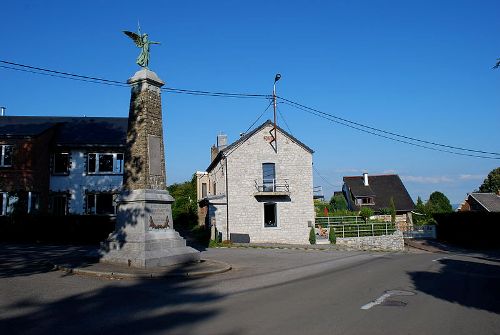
point(419, 68)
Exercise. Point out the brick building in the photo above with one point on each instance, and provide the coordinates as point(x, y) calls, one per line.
point(61, 165)
point(258, 190)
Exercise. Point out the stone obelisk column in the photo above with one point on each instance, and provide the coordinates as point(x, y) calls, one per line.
point(144, 235)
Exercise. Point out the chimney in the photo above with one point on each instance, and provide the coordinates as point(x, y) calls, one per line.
point(2, 111)
point(221, 141)
point(213, 152)
point(365, 178)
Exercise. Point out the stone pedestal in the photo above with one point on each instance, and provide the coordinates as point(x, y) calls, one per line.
point(144, 235)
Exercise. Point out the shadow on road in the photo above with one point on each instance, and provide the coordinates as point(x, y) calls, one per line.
point(468, 283)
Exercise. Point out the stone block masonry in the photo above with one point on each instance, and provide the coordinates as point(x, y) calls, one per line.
point(394, 242)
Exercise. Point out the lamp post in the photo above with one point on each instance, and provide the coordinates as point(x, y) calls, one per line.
point(276, 78)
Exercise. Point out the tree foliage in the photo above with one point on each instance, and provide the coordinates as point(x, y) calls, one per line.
point(492, 182)
point(392, 209)
point(365, 213)
point(438, 203)
point(312, 236)
point(338, 203)
point(331, 236)
point(185, 206)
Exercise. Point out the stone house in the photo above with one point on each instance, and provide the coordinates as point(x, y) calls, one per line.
point(61, 165)
point(258, 189)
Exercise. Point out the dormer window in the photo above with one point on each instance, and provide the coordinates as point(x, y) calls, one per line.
point(365, 201)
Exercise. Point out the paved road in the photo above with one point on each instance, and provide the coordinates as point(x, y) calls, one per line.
point(268, 292)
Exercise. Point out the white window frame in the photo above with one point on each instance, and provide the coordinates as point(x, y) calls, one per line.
point(117, 163)
point(2, 155)
point(275, 214)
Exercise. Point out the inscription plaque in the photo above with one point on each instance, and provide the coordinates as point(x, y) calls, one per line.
point(154, 145)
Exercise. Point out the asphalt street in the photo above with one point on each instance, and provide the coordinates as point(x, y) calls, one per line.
point(268, 291)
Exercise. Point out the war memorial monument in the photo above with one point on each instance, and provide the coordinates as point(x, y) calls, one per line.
point(144, 235)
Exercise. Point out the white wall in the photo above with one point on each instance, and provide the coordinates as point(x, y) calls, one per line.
point(77, 182)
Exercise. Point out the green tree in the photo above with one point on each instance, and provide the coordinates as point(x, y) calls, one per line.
point(331, 236)
point(185, 206)
point(365, 213)
point(492, 182)
point(319, 207)
point(438, 203)
point(312, 236)
point(392, 209)
point(338, 203)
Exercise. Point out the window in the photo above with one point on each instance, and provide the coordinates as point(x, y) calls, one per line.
point(203, 190)
point(101, 203)
point(105, 163)
point(268, 177)
point(215, 188)
point(61, 163)
point(33, 202)
point(59, 204)
point(6, 155)
point(270, 218)
point(365, 201)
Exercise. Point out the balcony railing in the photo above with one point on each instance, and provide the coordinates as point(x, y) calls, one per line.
point(272, 186)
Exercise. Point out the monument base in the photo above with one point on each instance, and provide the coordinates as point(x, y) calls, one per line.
point(144, 235)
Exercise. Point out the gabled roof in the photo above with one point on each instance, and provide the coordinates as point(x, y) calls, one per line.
point(70, 131)
point(489, 201)
point(381, 188)
point(245, 137)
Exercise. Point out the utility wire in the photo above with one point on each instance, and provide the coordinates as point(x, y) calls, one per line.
point(332, 119)
point(67, 75)
point(296, 104)
point(324, 179)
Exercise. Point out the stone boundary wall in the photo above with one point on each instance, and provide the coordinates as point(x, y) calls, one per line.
point(394, 242)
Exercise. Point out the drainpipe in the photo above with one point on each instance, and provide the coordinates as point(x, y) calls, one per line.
point(227, 203)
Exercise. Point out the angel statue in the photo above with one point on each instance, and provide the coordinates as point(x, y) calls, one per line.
point(142, 41)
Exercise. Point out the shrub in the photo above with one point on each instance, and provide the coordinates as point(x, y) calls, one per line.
point(331, 236)
point(312, 236)
point(365, 213)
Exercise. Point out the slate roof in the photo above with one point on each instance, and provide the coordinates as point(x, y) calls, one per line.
point(245, 137)
point(70, 131)
point(381, 188)
point(490, 201)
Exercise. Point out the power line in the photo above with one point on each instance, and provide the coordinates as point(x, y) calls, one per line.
point(96, 80)
point(303, 107)
point(390, 138)
point(324, 179)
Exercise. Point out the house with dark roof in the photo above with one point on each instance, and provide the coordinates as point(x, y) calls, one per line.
point(376, 192)
point(259, 188)
point(61, 165)
point(480, 202)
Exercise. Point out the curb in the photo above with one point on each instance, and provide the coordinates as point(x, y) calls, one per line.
point(151, 275)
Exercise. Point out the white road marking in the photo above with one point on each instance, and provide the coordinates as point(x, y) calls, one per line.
point(438, 259)
point(384, 296)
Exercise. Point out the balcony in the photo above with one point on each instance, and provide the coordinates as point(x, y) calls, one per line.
point(272, 187)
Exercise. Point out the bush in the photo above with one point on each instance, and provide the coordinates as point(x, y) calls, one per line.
point(365, 213)
point(331, 236)
point(312, 236)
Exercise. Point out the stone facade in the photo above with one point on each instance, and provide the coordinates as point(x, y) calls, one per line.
point(145, 158)
point(240, 205)
point(394, 242)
